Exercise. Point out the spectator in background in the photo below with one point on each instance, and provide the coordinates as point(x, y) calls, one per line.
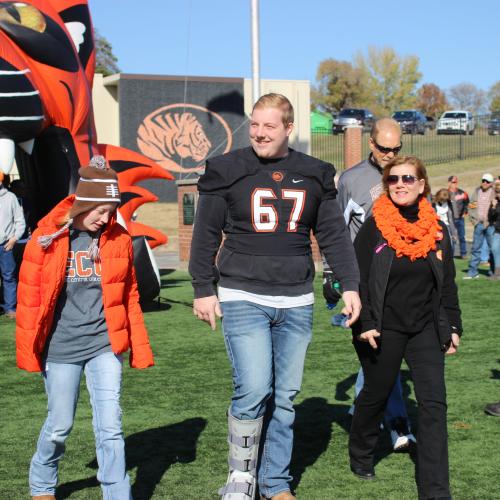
point(460, 203)
point(443, 207)
point(12, 226)
point(19, 189)
point(493, 230)
point(479, 206)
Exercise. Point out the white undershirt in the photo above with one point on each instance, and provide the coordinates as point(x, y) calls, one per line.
point(276, 301)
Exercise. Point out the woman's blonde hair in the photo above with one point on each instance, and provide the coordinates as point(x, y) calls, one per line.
point(441, 195)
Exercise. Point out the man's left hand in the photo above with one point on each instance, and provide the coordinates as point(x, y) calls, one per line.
point(352, 307)
point(10, 244)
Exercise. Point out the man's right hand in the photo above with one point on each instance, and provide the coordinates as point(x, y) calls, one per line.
point(370, 336)
point(207, 309)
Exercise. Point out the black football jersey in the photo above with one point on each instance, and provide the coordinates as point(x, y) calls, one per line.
point(266, 209)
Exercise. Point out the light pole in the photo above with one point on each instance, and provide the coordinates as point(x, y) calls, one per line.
point(254, 7)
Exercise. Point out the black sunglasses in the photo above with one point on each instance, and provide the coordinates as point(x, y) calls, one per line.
point(385, 150)
point(486, 180)
point(407, 179)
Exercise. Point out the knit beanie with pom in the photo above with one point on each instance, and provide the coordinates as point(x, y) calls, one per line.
point(98, 185)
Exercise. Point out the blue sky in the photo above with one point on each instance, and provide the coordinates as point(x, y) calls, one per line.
point(456, 40)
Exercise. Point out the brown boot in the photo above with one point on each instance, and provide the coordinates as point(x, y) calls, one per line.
point(44, 497)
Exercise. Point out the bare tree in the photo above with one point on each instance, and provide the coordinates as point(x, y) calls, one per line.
point(468, 97)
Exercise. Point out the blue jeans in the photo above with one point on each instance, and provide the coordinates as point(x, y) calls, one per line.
point(485, 251)
point(62, 384)
point(480, 235)
point(460, 225)
point(267, 349)
point(495, 246)
point(8, 272)
point(395, 405)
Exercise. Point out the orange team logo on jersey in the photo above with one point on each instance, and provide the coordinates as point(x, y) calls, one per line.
point(277, 176)
point(80, 265)
point(175, 136)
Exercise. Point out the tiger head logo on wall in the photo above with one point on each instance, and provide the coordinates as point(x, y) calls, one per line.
point(180, 137)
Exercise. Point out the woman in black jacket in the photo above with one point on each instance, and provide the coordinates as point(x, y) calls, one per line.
point(410, 310)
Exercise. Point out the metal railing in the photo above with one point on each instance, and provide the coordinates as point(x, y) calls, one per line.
point(436, 145)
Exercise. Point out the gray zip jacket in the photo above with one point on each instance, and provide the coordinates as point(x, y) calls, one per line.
point(11, 216)
point(358, 188)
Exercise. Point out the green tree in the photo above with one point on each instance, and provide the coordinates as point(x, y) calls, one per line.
point(106, 62)
point(431, 100)
point(339, 85)
point(389, 78)
point(494, 97)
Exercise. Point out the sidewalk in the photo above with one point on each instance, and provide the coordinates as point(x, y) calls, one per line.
point(169, 260)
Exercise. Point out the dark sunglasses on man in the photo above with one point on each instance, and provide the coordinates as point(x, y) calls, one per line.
point(385, 150)
point(486, 180)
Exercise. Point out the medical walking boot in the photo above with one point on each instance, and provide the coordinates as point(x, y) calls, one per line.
point(243, 438)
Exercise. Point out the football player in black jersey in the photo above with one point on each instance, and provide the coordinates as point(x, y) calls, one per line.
point(266, 199)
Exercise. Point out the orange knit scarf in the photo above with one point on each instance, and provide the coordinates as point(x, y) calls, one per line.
point(415, 239)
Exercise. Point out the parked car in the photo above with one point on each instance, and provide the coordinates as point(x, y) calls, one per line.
point(494, 124)
point(353, 116)
point(431, 122)
point(411, 121)
point(456, 122)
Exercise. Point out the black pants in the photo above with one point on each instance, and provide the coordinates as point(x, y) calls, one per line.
point(381, 367)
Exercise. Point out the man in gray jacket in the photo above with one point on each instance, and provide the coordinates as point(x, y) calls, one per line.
point(358, 187)
point(12, 227)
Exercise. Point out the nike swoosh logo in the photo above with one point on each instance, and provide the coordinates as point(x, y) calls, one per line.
point(295, 181)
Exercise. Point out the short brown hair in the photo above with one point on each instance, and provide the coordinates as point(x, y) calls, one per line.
point(276, 101)
point(420, 171)
point(441, 195)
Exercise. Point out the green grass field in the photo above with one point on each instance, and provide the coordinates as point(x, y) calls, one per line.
point(174, 413)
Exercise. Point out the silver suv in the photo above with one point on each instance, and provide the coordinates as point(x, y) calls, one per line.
point(353, 116)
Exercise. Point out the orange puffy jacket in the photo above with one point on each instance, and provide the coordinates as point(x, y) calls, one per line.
point(41, 280)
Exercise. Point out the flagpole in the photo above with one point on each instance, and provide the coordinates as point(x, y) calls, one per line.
point(254, 6)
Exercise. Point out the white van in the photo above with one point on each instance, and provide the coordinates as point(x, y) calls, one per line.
point(456, 122)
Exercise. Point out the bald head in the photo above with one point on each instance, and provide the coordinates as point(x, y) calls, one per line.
point(385, 140)
point(383, 126)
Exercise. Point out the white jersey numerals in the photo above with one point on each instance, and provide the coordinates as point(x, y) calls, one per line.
point(265, 217)
point(298, 196)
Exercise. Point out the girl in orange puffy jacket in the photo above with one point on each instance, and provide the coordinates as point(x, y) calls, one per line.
point(78, 311)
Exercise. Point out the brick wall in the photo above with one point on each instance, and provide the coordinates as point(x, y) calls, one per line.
point(352, 146)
